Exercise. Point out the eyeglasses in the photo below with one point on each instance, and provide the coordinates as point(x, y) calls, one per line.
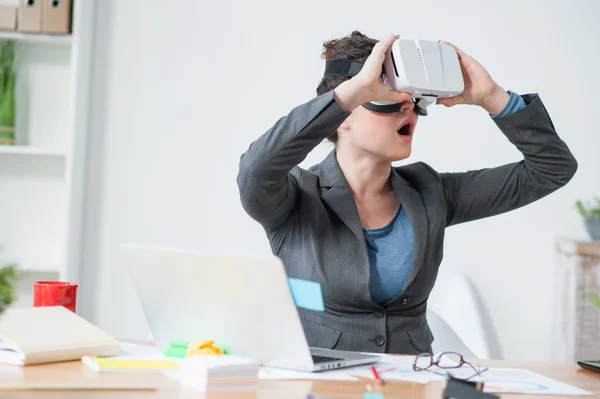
point(444, 360)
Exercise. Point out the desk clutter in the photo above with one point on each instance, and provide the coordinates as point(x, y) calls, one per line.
point(51, 334)
point(203, 372)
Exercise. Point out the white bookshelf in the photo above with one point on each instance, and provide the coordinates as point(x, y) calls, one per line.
point(42, 177)
point(29, 150)
point(37, 38)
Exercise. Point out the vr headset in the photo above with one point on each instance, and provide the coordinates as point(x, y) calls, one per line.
point(427, 69)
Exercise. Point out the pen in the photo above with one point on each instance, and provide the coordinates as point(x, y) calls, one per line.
point(376, 378)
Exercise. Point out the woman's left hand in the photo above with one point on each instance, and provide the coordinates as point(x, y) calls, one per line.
point(480, 89)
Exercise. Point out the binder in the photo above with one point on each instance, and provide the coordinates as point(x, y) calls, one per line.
point(8, 14)
point(56, 16)
point(29, 16)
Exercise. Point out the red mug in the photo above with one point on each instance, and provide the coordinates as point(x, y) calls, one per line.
point(55, 293)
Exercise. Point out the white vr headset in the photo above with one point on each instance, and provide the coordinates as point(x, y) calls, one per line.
point(427, 69)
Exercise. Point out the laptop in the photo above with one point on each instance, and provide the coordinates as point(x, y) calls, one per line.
point(244, 303)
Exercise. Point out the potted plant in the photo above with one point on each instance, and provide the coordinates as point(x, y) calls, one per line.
point(591, 216)
point(7, 92)
point(596, 299)
point(7, 286)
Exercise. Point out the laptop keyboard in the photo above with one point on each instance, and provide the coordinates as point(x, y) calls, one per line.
point(324, 359)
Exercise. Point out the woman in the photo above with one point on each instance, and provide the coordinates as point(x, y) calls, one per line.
point(372, 234)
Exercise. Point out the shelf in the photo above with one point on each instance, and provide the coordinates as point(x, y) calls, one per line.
point(36, 38)
point(28, 271)
point(25, 150)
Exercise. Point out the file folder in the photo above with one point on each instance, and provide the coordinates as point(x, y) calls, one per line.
point(29, 16)
point(56, 16)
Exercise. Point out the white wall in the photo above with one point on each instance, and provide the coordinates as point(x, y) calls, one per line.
point(179, 93)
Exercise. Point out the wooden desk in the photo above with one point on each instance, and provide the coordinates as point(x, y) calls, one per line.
point(75, 371)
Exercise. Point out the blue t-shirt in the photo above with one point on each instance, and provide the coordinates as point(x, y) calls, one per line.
point(391, 247)
point(390, 256)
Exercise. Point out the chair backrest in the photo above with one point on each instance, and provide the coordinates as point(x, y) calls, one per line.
point(456, 302)
point(446, 339)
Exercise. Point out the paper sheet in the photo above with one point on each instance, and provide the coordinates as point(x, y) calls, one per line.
point(267, 373)
point(134, 350)
point(496, 380)
point(500, 380)
point(346, 374)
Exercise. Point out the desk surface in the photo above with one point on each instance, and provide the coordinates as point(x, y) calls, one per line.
point(75, 372)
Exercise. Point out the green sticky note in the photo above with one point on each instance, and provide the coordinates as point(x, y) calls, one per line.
point(180, 343)
point(175, 351)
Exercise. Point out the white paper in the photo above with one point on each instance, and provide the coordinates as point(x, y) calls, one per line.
point(133, 350)
point(343, 374)
point(496, 380)
point(268, 373)
point(501, 380)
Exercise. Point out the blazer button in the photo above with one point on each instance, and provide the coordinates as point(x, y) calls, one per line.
point(406, 300)
point(379, 313)
point(379, 340)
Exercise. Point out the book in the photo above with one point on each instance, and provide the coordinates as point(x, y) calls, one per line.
point(50, 334)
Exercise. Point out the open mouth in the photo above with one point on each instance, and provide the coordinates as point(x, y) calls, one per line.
point(406, 129)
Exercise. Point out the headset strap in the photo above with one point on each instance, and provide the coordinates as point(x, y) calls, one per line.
point(343, 67)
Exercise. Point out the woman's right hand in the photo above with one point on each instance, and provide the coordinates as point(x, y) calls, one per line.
point(367, 85)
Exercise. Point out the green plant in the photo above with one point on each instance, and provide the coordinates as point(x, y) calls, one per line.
point(7, 91)
point(596, 299)
point(591, 211)
point(7, 286)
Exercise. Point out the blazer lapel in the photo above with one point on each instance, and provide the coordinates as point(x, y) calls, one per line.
point(335, 191)
point(415, 209)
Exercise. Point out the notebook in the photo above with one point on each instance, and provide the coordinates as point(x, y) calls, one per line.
point(50, 334)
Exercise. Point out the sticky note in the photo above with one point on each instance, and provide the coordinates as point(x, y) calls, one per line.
point(204, 347)
point(108, 364)
point(307, 294)
point(180, 343)
point(175, 351)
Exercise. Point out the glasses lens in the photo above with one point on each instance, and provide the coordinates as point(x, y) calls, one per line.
point(449, 360)
point(423, 361)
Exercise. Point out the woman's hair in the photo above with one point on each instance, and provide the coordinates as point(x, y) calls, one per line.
point(356, 46)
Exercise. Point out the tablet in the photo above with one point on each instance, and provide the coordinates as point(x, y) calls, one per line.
point(590, 365)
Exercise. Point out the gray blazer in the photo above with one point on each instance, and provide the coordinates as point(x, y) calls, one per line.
point(312, 222)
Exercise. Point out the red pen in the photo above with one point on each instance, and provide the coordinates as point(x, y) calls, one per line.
point(376, 378)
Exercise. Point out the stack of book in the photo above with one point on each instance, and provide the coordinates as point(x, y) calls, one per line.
point(219, 373)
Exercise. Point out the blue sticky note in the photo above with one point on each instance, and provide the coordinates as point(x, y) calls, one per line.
point(307, 294)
